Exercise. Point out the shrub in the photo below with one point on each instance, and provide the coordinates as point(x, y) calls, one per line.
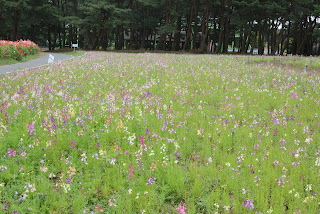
point(18, 49)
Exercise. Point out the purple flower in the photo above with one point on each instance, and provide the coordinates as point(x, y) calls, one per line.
point(11, 153)
point(151, 180)
point(3, 168)
point(248, 204)
point(257, 179)
point(280, 182)
point(177, 154)
point(148, 131)
point(6, 206)
point(52, 119)
point(68, 181)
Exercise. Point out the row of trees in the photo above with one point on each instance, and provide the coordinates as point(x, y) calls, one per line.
point(282, 26)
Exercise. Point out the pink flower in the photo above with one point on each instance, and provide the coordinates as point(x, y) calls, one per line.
point(31, 128)
point(43, 169)
point(181, 208)
point(131, 171)
point(294, 95)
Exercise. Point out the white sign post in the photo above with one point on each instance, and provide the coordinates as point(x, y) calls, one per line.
point(51, 59)
point(75, 46)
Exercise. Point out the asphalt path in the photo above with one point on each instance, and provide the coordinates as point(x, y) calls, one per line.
point(33, 63)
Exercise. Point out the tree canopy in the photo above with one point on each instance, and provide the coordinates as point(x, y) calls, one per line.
point(243, 26)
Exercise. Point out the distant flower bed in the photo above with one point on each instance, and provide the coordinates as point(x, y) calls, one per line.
point(18, 49)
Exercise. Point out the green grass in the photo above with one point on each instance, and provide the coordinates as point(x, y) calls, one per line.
point(75, 53)
point(313, 63)
point(11, 61)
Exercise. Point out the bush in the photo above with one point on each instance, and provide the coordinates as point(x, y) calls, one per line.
point(18, 49)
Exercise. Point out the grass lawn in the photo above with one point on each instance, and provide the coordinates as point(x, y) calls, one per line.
point(24, 59)
point(160, 133)
point(75, 53)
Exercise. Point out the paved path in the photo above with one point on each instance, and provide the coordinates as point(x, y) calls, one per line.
point(33, 63)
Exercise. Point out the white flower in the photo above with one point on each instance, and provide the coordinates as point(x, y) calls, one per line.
point(84, 158)
point(269, 210)
point(129, 191)
point(33, 188)
point(309, 187)
point(318, 161)
point(52, 175)
point(291, 191)
point(209, 160)
point(297, 195)
point(308, 140)
point(228, 164)
point(66, 187)
point(113, 160)
point(101, 152)
point(151, 153)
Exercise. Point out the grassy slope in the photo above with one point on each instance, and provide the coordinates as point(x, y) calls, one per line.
point(24, 59)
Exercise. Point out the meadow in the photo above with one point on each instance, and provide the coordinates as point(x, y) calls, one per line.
point(160, 133)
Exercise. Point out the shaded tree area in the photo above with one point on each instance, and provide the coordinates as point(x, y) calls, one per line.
point(220, 26)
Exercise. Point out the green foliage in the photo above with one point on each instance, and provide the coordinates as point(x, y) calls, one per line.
point(103, 23)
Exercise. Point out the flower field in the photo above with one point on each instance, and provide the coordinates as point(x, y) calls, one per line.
point(159, 133)
point(18, 49)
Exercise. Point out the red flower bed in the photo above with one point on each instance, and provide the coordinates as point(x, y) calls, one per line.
point(17, 49)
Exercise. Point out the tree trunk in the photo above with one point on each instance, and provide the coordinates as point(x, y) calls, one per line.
point(64, 35)
point(54, 37)
point(222, 20)
point(131, 42)
point(295, 38)
point(96, 39)
point(121, 39)
point(176, 36)
point(240, 41)
point(243, 42)
point(261, 39)
point(288, 38)
point(117, 38)
point(204, 26)
point(16, 18)
point(248, 42)
point(143, 38)
point(302, 38)
point(189, 27)
point(279, 39)
point(195, 29)
point(49, 38)
point(105, 40)
point(254, 42)
point(226, 36)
